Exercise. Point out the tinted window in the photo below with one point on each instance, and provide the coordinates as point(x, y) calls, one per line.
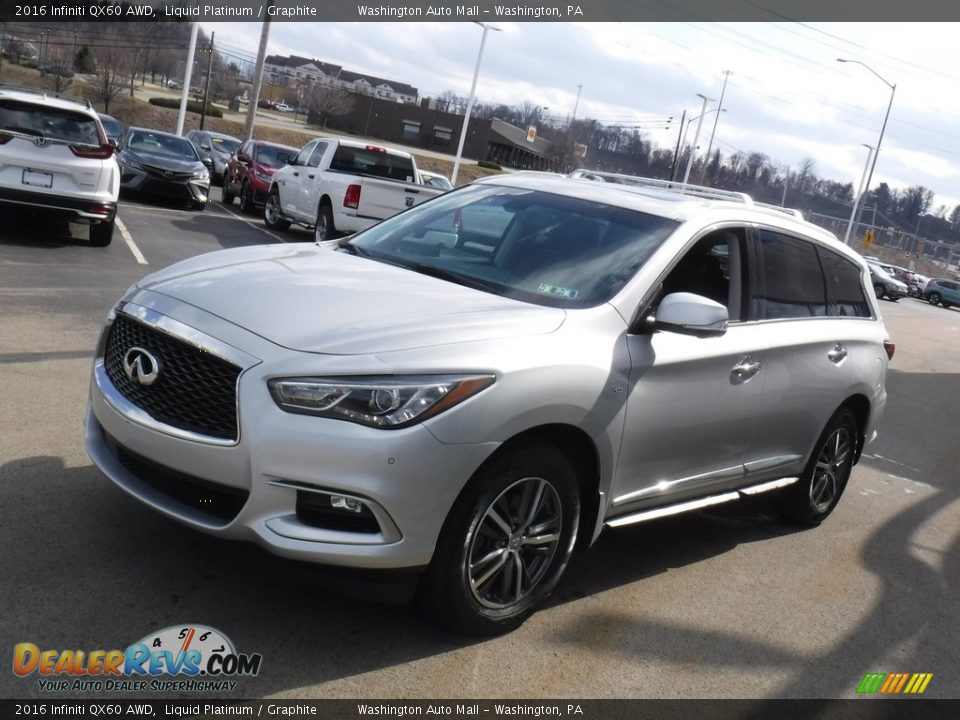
point(845, 295)
point(790, 282)
point(274, 156)
point(527, 245)
point(54, 123)
point(378, 163)
point(318, 155)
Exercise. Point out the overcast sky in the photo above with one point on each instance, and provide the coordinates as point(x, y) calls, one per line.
point(787, 97)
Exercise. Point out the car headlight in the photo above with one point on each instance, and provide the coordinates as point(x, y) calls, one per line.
point(201, 174)
point(262, 176)
point(131, 164)
point(387, 402)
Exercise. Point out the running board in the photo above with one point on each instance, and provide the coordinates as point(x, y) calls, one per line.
point(691, 505)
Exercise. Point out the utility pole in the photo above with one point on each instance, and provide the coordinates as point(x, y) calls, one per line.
point(676, 153)
point(696, 137)
point(703, 173)
point(206, 90)
point(257, 75)
point(786, 181)
point(187, 76)
point(576, 105)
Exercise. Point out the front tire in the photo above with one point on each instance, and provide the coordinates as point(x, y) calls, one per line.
point(199, 205)
point(814, 496)
point(934, 298)
point(506, 541)
point(101, 234)
point(227, 195)
point(878, 291)
point(272, 215)
point(246, 199)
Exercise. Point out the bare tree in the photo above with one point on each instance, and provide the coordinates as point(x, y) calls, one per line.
point(329, 102)
point(110, 75)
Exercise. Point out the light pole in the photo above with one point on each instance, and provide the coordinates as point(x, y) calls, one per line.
point(856, 199)
point(696, 137)
point(858, 207)
point(683, 137)
point(703, 173)
point(473, 88)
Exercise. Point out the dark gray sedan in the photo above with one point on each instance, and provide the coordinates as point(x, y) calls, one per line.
point(164, 165)
point(215, 150)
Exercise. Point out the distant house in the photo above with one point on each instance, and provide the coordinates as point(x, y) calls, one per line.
point(294, 71)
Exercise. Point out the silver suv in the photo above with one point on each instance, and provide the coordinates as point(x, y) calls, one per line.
point(477, 386)
point(55, 157)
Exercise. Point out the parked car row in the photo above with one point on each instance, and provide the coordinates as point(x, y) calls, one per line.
point(895, 282)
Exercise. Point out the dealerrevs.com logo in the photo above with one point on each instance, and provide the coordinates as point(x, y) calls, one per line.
point(180, 658)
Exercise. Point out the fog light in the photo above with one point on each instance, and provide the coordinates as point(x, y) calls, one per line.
point(344, 503)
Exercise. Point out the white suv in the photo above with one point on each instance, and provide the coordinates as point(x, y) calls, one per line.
point(55, 156)
point(480, 384)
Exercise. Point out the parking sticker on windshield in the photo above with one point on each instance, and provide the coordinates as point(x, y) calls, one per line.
point(557, 291)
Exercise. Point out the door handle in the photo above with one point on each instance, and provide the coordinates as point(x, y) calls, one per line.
point(296, 174)
point(310, 176)
point(746, 368)
point(837, 354)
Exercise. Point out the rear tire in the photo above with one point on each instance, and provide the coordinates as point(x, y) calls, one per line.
point(324, 230)
point(505, 543)
point(814, 496)
point(101, 234)
point(272, 215)
point(934, 298)
point(227, 195)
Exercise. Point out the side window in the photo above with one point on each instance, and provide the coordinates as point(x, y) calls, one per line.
point(789, 282)
point(845, 296)
point(317, 155)
point(713, 268)
point(305, 153)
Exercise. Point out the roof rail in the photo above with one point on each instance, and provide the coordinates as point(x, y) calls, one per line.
point(44, 93)
point(789, 211)
point(678, 187)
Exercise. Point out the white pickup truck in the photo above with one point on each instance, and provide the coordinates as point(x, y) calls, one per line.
point(341, 186)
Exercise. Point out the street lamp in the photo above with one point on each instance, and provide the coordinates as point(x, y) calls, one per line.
point(858, 207)
point(860, 192)
point(696, 137)
point(473, 88)
point(683, 136)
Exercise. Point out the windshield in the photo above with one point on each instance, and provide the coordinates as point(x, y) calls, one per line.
point(225, 145)
point(274, 156)
point(157, 143)
point(528, 245)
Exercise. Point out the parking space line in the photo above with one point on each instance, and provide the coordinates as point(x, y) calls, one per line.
point(261, 228)
point(128, 239)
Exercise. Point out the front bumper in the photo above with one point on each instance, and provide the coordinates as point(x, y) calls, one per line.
point(192, 190)
point(251, 489)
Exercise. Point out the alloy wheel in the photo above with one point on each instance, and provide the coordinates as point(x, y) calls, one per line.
point(829, 474)
point(512, 545)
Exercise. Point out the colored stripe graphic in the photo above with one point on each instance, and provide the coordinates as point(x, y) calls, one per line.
point(894, 683)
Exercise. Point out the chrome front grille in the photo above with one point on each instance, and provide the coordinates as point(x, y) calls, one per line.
point(194, 391)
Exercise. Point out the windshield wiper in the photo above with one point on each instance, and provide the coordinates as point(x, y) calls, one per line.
point(347, 244)
point(454, 277)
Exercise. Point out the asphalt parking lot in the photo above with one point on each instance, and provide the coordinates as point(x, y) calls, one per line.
point(724, 603)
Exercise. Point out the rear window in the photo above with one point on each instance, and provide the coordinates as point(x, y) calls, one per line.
point(844, 286)
point(372, 162)
point(52, 123)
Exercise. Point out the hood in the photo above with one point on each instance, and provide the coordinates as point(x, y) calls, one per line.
point(316, 300)
point(164, 162)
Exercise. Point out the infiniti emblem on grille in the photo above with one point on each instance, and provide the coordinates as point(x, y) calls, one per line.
point(141, 365)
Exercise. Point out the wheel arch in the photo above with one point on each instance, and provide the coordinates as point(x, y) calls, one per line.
point(582, 452)
point(859, 405)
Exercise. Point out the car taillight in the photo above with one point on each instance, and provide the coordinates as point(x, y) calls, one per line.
point(375, 148)
point(351, 198)
point(98, 153)
point(890, 347)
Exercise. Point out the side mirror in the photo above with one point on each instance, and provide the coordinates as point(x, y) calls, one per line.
point(112, 141)
point(208, 162)
point(690, 314)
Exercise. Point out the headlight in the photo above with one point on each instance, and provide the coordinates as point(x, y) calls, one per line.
point(131, 164)
point(392, 402)
point(201, 174)
point(262, 176)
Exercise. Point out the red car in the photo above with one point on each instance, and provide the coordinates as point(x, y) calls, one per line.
point(250, 170)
